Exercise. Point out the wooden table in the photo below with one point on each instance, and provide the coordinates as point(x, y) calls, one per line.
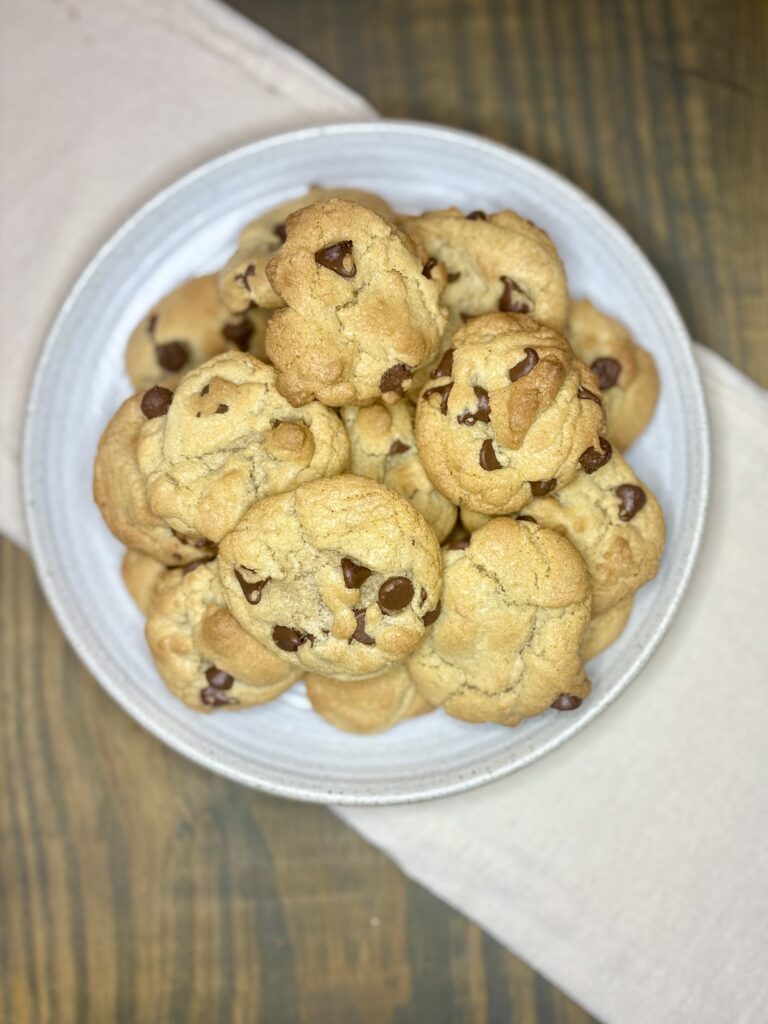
point(134, 887)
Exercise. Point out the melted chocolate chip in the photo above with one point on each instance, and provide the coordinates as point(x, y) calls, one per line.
point(251, 591)
point(591, 460)
point(360, 635)
point(432, 616)
point(487, 456)
point(429, 266)
point(458, 544)
point(524, 367)
point(607, 371)
point(219, 679)
point(445, 367)
point(202, 542)
point(394, 378)
point(206, 389)
point(338, 258)
point(398, 447)
point(288, 639)
point(513, 298)
point(172, 355)
point(541, 487)
point(354, 575)
point(477, 215)
point(215, 698)
point(242, 279)
point(395, 594)
point(422, 596)
point(444, 391)
point(454, 277)
point(565, 702)
point(279, 230)
point(526, 519)
point(589, 396)
point(222, 408)
point(239, 333)
point(156, 402)
point(483, 412)
point(631, 500)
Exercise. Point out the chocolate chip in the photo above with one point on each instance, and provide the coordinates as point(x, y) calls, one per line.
point(566, 702)
point(453, 277)
point(395, 594)
point(338, 258)
point(459, 544)
point(206, 389)
point(429, 266)
point(483, 412)
point(242, 279)
point(222, 408)
point(513, 298)
point(215, 699)
point(151, 323)
point(219, 679)
point(202, 542)
point(524, 367)
point(445, 367)
point(607, 371)
point(354, 575)
point(631, 500)
point(526, 519)
point(191, 566)
point(398, 447)
point(360, 635)
point(444, 391)
point(172, 355)
point(156, 402)
point(487, 456)
point(477, 215)
point(541, 487)
point(251, 591)
point(465, 317)
point(591, 460)
point(288, 639)
point(279, 230)
point(432, 616)
point(394, 378)
point(239, 333)
point(422, 596)
point(588, 395)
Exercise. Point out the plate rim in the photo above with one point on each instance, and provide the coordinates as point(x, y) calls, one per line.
point(701, 469)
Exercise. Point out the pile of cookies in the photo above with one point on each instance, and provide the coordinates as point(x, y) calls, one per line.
point(382, 454)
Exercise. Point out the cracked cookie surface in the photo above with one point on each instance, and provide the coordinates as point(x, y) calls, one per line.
point(383, 447)
point(509, 413)
point(366, 705)
point(626, 373)
point(507, 644)
point(341, 575)
point(229, 438)
point(362, 316)
point(202, 655)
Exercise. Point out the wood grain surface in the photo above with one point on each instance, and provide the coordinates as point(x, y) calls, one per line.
point(135, 887)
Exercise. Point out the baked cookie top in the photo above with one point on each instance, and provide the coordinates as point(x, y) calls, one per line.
point(228, 439)
point(120, 489)
point(515, 605)
point(626, 373)
point(342, 576)
point(362, 316)
point(183, 330)
point(366, 705)
point(383, 447)
point(203, 656)
point(243, 281)
point(508, 414)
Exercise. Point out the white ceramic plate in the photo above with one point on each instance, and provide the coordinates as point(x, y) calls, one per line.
point(189, 229)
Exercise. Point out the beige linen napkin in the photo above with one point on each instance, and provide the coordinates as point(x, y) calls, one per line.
point(630, 866)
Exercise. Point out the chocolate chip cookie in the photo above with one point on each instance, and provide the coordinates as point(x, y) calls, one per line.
point(362, 316)
point(366, 705)
point(626, 373)
point(228, 439)
point(507, 643)
point(341, 576)
point(243, 281)
point(141, 575)
point(509, 414)
point(120, 491)
point(383, 448)
point(605, 628)
point(203, 656)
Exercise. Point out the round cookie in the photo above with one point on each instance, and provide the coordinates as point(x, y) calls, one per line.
point(511, 413)
point(203, 656)
point(183, 330)
point(507, 644)
point(120, 491)
point(342, 576)
point(612, 519)
point(141, 575)
point(383, 448)
point(228, 439)
point(243, 281)
point(362, 316)
point(366, 705)
point(626, 373)
point(605, 628)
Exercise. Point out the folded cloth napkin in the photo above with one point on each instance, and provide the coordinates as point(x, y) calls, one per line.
point(630, 865)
